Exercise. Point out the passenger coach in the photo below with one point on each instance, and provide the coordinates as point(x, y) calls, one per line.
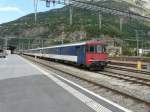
point(91, 54)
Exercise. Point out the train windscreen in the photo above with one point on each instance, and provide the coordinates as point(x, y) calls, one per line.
point(100, 49)
point(97, 49)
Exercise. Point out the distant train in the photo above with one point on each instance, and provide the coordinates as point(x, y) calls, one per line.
point(91, 54)
point(2, 53)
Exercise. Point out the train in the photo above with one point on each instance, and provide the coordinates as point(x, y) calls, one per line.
point(2, 53)
point(91, 54)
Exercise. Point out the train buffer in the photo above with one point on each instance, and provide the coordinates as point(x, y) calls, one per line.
point(25, 86)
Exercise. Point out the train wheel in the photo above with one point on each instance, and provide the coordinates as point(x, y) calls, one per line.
point(91, 68)
point(102, 68)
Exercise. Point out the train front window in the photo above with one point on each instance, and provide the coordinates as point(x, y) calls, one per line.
point(97, 49)
point(100, 49)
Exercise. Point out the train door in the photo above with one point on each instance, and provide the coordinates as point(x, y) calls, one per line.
point(80, 54)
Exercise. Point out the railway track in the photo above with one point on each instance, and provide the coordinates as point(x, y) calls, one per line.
point(101, 89)
point(131, 58)
point(134, 79)
point(128, 64)
point(129, 69)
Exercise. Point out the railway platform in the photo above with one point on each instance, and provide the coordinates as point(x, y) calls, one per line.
point(25, 87)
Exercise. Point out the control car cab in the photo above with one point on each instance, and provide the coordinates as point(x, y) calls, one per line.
point(96, 55)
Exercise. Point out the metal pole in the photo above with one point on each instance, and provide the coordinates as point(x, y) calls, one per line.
point(42, 43)
point(62, 36)
point(142, 48)
point(71, 14)
point(100, 21)
point(142, 44)
point(35, 9)
point(6, 43)
point(29, 44)
point(121, 23)
point(19, 45)
point(137, 39)
point(22, 46)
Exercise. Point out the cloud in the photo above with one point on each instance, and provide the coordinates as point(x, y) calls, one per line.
point(10, 9)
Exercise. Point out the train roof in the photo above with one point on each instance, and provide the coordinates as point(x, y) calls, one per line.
point(94, 42)
point(66, 45)
point(74, 44)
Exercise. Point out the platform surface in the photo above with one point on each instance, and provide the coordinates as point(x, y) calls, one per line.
point(25, 89)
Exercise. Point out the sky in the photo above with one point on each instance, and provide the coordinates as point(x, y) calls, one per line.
point(13, 9)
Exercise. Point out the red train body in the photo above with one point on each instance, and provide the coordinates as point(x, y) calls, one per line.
point(96, 55)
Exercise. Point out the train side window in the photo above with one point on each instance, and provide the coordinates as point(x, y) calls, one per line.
point(91, 48)
point(77, 47)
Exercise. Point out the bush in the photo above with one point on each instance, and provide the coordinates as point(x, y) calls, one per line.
point(128, 51)
point(147, 55)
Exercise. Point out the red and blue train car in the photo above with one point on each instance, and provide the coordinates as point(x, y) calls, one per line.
point(91, 54)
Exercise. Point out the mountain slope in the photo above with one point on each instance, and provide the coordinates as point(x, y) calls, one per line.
point(51, 24)
point(137, 6)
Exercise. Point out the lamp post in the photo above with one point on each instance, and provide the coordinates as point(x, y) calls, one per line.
point(137, 41)
point(35, 10)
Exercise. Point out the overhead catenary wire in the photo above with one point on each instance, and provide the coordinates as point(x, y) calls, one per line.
point(103, 9)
